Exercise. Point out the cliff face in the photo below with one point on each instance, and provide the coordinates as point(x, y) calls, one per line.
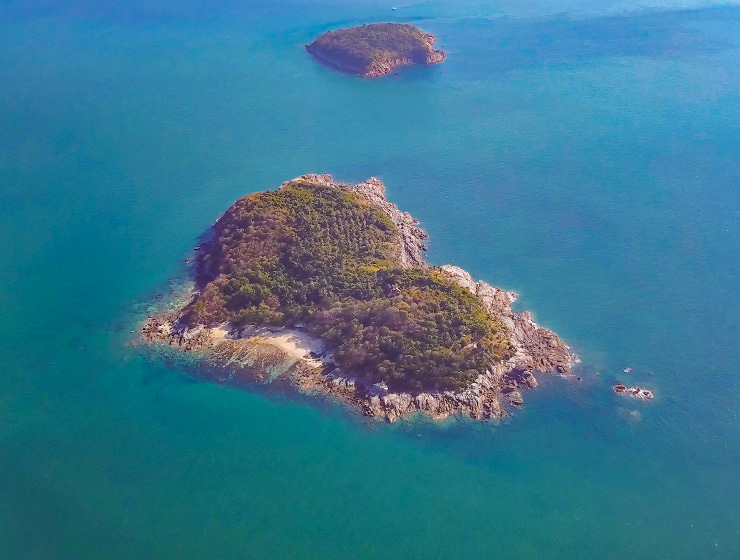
point(309, 365)
point(374, 50)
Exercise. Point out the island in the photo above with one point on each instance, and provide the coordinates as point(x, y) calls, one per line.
point(375, 50)
point(324, 285)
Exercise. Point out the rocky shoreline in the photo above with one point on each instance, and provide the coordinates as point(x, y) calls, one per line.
point(290, 354)
point(377, 68)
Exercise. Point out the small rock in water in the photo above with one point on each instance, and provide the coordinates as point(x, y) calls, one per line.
point(628, 370)
point(635, 392)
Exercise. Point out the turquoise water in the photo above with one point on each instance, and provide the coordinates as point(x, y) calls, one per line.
point(585, 154)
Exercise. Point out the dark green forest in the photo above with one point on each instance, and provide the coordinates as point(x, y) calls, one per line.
point(324, 258)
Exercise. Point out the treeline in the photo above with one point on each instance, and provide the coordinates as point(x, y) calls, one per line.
point(327, 259)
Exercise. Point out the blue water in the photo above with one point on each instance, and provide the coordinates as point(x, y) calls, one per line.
point(585, 154)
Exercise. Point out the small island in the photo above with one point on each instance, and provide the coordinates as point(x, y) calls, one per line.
point(324, 285)
point(375, 50)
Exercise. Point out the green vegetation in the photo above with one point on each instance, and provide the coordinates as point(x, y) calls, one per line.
point(326, 258)
point(358, 49)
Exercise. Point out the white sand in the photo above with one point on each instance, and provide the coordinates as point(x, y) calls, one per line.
point(293, 342)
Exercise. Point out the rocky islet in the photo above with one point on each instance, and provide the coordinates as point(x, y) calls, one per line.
point(374, 50)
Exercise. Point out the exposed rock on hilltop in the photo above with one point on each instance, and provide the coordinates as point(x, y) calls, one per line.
point(324, 284)
point(374, 50)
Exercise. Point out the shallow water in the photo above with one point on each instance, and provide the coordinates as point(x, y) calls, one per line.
point(586, 155)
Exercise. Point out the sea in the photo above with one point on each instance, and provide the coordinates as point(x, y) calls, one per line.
point(585, 154)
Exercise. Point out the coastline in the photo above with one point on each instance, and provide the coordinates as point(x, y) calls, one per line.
point(291, 354)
